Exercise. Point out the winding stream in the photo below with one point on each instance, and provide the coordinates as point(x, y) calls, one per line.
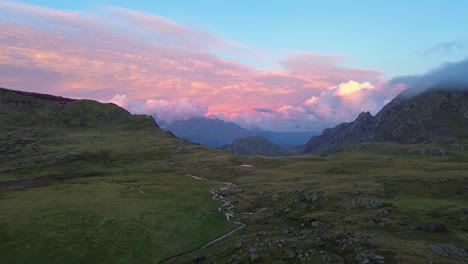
point(225, 208)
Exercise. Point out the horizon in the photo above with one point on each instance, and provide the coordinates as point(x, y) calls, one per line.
point(236, 62)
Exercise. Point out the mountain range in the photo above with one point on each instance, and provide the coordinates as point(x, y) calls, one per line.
point(216, 133)
point(434, 115)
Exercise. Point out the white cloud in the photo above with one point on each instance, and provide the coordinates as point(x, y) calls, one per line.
point(161, 109)
point(350, 87)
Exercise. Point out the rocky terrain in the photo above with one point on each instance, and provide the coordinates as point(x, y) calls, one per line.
point(430, 116)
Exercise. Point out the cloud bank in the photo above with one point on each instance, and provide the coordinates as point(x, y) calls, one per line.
point(165, 111)
point(151, 64)
point(448, 76)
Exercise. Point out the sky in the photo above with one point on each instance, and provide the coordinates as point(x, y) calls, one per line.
point(270, 65)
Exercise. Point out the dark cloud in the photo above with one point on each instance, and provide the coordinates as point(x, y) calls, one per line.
point(263, 110)
point(448, 76)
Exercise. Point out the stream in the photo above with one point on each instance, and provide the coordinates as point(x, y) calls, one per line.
point(225, 208)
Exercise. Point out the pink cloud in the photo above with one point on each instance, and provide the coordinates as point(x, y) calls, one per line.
point(151, 64)
point(339, 103)
point(163, 110)
point(171, 110)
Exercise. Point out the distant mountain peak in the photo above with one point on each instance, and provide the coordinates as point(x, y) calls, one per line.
point(207, 131)
point(255, 145)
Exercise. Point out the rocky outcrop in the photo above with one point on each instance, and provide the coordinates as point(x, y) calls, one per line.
point(432, 114)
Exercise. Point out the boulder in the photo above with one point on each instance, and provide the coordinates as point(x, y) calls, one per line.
point(433, 227)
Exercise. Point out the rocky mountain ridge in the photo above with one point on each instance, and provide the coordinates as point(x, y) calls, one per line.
point(431, 115)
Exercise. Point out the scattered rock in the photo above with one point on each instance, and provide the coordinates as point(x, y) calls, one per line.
point(198, 259)
point(433, 227)
point(309, 219)
point(354, 193)
point(310, 196)
point(449, 250)
point(254, 257)
point(365, 256)
point(280, 243)
point(432, 152)
point(252, 249)
point(457, 147)
point(315, 224)
point(351, 205)
point(263, 210)
point(382, 212)
point(300, 254)
point(369, 203)
point(465, 115)
point(351, 239)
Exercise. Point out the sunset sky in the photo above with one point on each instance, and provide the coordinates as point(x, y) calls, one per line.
point(272, 65)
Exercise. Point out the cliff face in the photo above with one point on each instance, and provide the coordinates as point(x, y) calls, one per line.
point(432, 114)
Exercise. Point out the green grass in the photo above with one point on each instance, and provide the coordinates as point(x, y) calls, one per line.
point(124, 197)
point(108, 220)
point(415, 189)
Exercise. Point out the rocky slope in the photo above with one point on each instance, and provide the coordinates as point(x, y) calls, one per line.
point(432, 115)
point(256, 145)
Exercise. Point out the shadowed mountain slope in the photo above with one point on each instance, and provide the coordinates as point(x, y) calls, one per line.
point(207, 131)
point(432, 115)
point(256, 145)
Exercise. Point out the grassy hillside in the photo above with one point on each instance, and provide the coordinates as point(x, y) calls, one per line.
point(114, 189)
point(363, 205)
point(116, 186)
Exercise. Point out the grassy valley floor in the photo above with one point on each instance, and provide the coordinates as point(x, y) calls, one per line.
point(367, 204)
point(124, 197)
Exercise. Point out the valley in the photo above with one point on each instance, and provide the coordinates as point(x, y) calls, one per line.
point(118, 190)
point(233, 132)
